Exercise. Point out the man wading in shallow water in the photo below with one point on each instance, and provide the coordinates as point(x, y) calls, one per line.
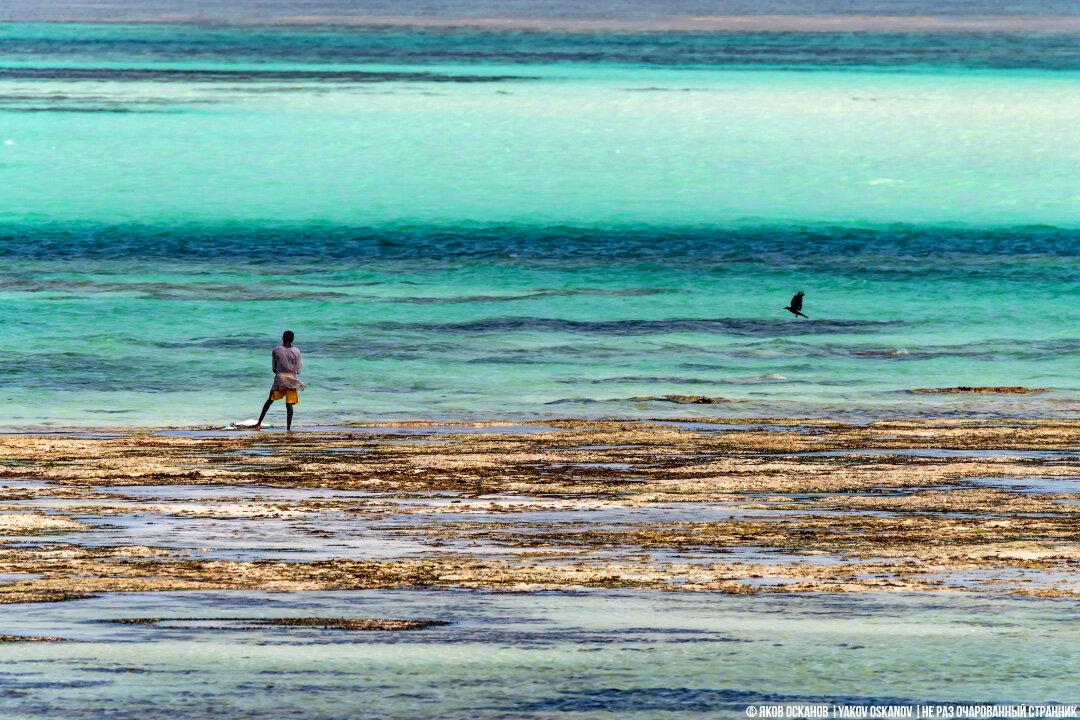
point(286, 362)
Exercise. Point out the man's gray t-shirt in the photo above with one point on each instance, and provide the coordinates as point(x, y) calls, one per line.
point(287, 360)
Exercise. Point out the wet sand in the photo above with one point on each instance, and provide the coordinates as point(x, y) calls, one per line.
point(784, 505)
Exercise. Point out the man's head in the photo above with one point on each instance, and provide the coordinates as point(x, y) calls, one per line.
point(286, 337)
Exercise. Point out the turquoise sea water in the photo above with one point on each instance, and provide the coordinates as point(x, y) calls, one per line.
point(467, 224)
point(596, 655)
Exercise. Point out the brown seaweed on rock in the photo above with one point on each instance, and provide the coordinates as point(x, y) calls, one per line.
point(247, 623)
point(991, 390)
point(686, 399)
point(22, 638)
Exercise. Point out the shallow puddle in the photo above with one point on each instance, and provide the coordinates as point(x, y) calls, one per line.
point(1009, 577)
point(1034, 484)
point(10, 578)
point(937, 453)
point(307, 431)
point(255, 522)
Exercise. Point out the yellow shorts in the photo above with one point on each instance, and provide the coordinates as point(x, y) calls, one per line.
point(291, 396)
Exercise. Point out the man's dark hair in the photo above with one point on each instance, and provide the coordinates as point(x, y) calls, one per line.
point(287, 336)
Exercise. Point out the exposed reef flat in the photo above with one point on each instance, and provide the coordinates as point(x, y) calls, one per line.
point(781, 505)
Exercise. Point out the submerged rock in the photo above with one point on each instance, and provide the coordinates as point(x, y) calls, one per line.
point(685, 399)
point(1000, 390)
point(36, 595)
point(21, 638)
point(328, 623)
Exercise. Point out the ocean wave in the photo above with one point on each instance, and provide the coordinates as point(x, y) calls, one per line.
point(1003, 349)
point(1012, 44)
point(203, 75)
point(89, 373)
point(768, 378)
point(675, 399)
point(195, 290)
point(419, 300)
point(866, 253)
point(414, 341)
point(739, 327)
point(730, 702)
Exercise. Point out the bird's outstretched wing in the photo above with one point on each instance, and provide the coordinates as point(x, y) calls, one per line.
point(796, 302)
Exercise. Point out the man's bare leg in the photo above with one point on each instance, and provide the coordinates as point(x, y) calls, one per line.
point(266, 406)
point(288, 417)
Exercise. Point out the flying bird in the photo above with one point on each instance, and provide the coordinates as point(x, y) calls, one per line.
point(796, 304)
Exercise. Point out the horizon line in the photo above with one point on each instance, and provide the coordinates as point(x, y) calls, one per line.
point(1051, 24)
